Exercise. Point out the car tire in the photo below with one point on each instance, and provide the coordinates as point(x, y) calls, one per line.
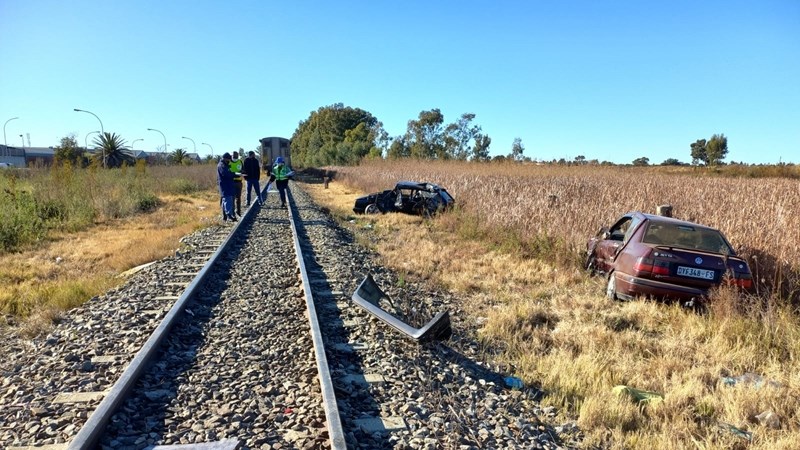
point(611, 287)
point(372, 208)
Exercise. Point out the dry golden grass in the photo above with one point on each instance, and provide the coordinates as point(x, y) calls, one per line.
point(550, 211)
point(38, 288)
point(555, 326)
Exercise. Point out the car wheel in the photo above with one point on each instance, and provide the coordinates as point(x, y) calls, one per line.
point(372, 208)
point(611, 287)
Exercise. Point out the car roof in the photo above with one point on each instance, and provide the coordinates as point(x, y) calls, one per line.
point(415, 185)
point(664, 219)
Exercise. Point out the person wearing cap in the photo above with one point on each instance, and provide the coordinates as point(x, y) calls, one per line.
point(226, 188)
point(236, 169)
point(252, 173)
point(280, 175)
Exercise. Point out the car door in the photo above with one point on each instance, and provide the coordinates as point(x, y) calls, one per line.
point(616, 238)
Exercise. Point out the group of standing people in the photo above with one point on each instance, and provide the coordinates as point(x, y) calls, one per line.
point(230, 173)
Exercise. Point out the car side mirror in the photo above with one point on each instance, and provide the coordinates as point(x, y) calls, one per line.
point(604, 233)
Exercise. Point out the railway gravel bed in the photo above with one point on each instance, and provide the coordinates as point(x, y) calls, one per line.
point(240, 363)
point(444, 395)
point(88, 349)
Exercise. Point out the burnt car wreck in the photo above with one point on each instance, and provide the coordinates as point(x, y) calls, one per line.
point(423, 199)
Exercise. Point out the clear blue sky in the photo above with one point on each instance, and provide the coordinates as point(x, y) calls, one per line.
point(610, 80)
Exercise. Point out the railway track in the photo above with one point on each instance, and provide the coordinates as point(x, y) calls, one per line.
point(240, 366)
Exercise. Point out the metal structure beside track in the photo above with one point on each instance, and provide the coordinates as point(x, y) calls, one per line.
point(93, 429)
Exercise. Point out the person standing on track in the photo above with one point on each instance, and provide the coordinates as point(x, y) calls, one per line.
point(280, 175)
point(226, 188)
point(252, 174)
point(236, 169)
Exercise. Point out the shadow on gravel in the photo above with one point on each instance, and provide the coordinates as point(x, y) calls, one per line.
point(353, 399)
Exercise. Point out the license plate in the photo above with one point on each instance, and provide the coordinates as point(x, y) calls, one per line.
point(695, 273)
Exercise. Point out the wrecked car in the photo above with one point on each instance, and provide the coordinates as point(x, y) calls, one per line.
point(408, 197)
point(661, 257)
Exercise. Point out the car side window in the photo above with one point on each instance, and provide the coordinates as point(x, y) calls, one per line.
point(617, 232)
point(631, 228)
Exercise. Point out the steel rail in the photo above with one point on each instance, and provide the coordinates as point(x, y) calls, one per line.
point(94, 427)
point(333, 420)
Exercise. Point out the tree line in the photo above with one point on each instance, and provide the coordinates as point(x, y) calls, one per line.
point(343, 135)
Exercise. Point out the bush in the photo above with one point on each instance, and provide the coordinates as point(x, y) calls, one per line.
point(182, 186)
point(147, 202)
point(20, 224)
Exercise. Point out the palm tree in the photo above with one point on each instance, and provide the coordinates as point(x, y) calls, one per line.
point(114, 153)
point(178, 156)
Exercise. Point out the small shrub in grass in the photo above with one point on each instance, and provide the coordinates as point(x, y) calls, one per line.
point(147, 202)
point(182, 186)
point(20, 223)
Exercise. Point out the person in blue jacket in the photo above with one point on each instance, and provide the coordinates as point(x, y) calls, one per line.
point(226, 187)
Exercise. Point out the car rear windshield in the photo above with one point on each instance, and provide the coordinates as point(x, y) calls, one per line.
point(687, 236)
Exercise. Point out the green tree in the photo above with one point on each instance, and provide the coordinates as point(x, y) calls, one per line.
point(516, 150)
point(68, 152)
point(112, 150)
point(698, 152)
point(398, 149)
point(179, 156)
point(425, 136)
point(480, 151)
point(457, 137)
point(336, 134)
point(671, 162)
point(716, 149)
point(643, 161)
point(711, 152)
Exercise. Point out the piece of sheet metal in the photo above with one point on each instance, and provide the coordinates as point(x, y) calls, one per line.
point(369, 294)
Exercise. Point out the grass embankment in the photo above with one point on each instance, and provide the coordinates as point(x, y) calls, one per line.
point(513, 249)
point(65, 233)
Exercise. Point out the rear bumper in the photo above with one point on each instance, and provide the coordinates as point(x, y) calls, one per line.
point(631, 286)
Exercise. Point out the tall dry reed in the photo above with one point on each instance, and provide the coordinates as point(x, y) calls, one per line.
point(552, 210)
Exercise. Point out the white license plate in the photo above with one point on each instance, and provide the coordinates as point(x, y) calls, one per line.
point(695, 273)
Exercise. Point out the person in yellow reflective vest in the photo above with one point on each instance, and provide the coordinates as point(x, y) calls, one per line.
point(236, 168)
point(280, 175)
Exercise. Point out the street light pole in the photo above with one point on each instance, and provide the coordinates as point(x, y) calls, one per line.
point(193, 144)
point(4, 131)
point(86, 139)
point(209, 146)
point(102, 130)
point(162, 135)
point(134, 143)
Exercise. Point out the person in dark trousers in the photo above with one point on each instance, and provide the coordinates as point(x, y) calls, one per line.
point(236, 169)
point(226, 188)
point(252, 174)
point(280, 175)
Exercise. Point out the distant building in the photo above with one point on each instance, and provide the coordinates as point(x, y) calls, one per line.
point(28, 156)
point(12, 155)
point(39, 156)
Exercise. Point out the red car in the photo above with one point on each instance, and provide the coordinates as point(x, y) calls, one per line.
point(655, 256)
